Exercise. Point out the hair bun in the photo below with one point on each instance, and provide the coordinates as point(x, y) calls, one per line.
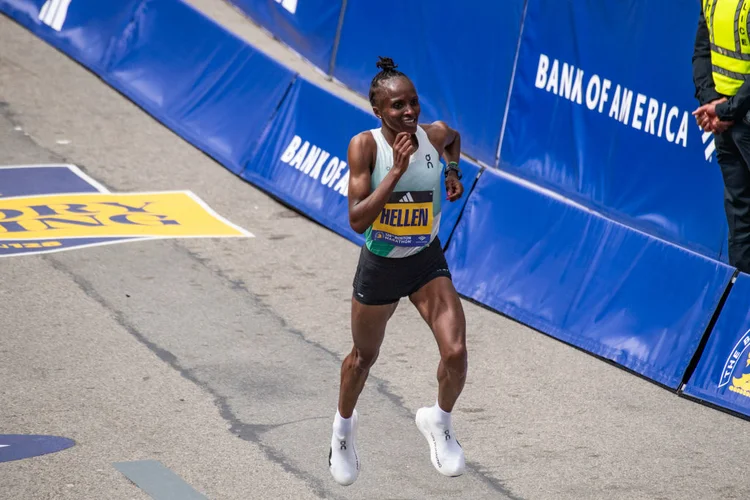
point(386, 64)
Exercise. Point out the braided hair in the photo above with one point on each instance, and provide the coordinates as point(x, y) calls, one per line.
point(387, 71)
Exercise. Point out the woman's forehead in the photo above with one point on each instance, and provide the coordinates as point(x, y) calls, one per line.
point(399, 87)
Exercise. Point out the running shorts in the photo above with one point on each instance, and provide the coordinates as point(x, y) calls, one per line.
point(383, 280)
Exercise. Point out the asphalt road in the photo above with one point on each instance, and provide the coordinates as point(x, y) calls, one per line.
point(220, 357)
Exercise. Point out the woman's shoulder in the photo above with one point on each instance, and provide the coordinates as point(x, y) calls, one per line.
point(437, 132)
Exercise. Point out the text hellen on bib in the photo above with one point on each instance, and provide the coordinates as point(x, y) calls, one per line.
point(406, 220)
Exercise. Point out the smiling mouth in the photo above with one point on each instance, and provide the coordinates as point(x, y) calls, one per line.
point(410, 121)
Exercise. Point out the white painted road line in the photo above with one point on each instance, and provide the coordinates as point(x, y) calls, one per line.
point(159, 482)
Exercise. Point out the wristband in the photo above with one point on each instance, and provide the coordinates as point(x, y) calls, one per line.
point(453, 166)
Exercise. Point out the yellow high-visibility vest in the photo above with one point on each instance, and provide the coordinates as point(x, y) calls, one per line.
point(727, 22)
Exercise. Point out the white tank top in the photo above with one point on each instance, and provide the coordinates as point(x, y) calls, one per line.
point(411, 218)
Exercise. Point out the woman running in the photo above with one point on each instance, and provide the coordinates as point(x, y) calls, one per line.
point(394, 199)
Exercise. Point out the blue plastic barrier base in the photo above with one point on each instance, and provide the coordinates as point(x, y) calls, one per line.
point(612, 291)
point(671, 388)
point(722, 375)
point(717, 407)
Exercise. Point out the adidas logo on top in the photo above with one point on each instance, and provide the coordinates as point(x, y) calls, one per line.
point(407, 198)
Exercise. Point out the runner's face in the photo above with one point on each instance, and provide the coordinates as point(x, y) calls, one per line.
point(399, 108)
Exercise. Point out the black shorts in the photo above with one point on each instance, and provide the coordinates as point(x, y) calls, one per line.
point(383, 280)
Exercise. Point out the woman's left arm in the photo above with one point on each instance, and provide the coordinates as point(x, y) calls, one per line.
point(449, 141)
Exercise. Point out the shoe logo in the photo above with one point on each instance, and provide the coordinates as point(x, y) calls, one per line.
point(343, 444)
point(407, 198)
point(437, 458)
point(447, 435)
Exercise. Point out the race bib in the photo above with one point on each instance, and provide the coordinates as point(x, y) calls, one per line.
point(406, 220)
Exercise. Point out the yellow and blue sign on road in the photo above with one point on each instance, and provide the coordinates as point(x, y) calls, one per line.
point(57, 207)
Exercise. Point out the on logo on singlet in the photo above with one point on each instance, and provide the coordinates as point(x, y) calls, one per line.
point(406, 220)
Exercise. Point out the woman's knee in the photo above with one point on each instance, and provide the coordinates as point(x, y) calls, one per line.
point(364, 358)
point(455, 358)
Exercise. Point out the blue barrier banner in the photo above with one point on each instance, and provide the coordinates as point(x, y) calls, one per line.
point(600, 114)
point(460, 59)
point(722, 376)
point(214, 90)
point(451, 211)
point(302, 159)
point(86, 30)
point(307, 26)
point(583, 279)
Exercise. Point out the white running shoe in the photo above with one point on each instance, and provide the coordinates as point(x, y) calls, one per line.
point(343, 461)
point(446, 453)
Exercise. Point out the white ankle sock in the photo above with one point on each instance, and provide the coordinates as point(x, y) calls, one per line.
point(441, 415)
point(342, 425)
point(343, 459)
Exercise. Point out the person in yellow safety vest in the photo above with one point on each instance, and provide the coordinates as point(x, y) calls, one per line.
point(721, 74)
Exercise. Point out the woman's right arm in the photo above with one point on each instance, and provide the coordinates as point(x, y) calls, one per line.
point(364, 205)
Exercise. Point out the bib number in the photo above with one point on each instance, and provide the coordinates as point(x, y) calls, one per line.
point(406, 220)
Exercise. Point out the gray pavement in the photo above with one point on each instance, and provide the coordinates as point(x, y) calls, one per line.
point(220, 357)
